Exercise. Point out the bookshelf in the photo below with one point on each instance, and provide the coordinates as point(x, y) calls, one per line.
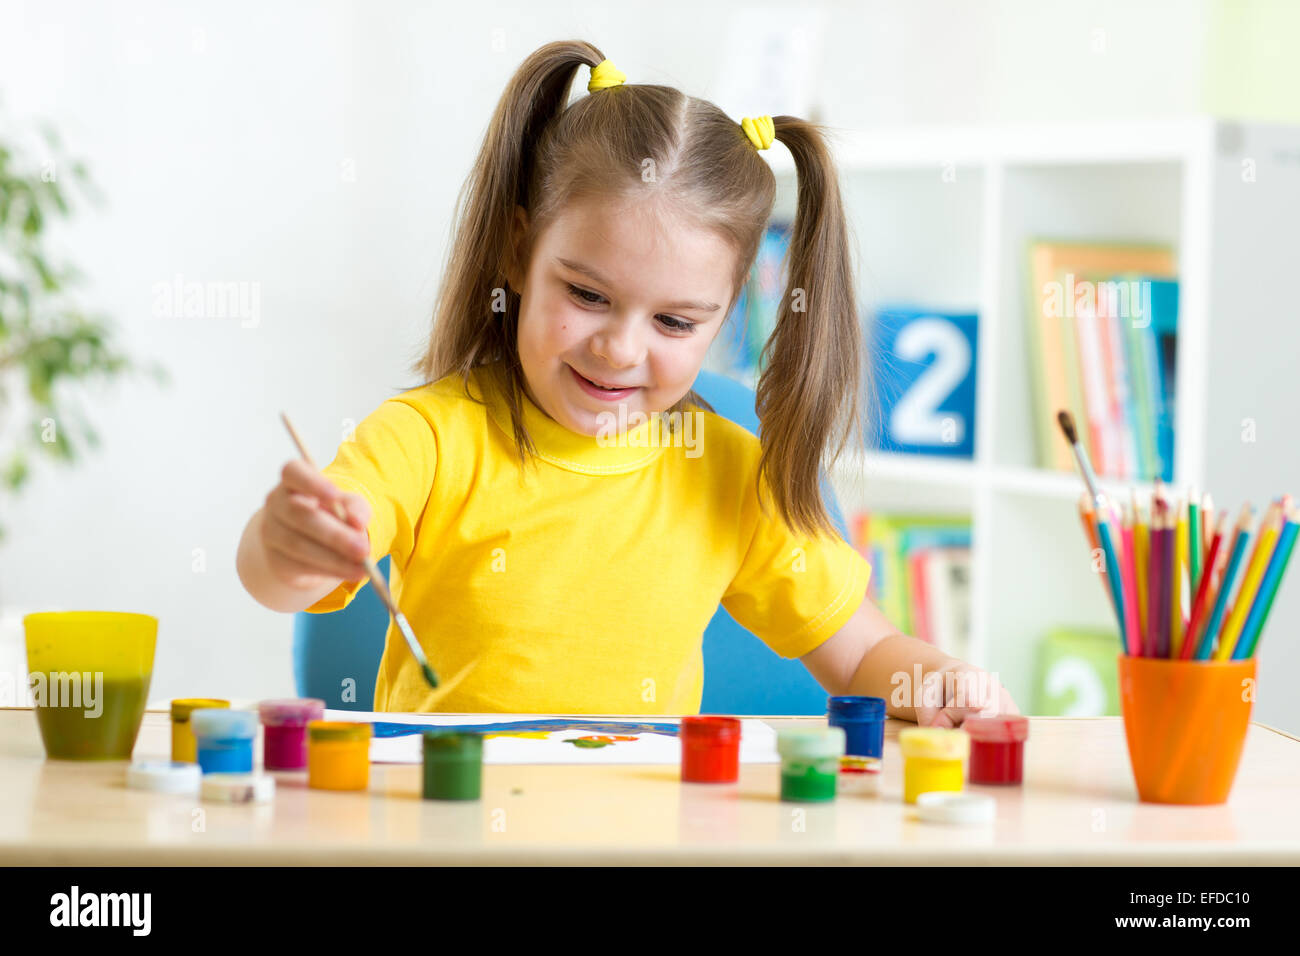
point(942, 217)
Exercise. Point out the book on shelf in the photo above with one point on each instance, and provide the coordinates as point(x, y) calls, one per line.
point(1075, 673)
point(1102, 322)
point(923, 363)
point(920, 576)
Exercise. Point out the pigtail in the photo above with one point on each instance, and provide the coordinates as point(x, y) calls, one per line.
point(481, 253)
point(810, 390)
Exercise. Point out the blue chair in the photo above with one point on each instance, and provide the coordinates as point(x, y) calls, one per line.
point(336, 656)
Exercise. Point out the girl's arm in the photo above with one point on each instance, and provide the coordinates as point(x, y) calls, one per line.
point(869, 656)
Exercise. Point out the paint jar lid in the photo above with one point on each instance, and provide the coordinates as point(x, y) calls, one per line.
point(949, 807)
point(710, 728)
point(182, 708)
point(936, 743)
point(856, 708)
point(453, 744)
point(1008, 728)
point(164, 776)
point(338, 730)
point(224, 724)
point(810, 743)
point(291, 712)
point(238, 787)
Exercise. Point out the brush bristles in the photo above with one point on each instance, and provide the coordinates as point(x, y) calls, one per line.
point(1067, 426)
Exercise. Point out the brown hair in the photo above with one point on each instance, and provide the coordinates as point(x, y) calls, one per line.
point(541, 156)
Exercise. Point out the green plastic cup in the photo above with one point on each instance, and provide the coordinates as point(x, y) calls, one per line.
point(89, 674)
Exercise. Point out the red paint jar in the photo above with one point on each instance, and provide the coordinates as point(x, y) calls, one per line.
point(284, 738)
point(997, 748)
point(710, 749)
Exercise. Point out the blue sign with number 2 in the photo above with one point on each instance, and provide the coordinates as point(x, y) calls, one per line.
point(924, 364)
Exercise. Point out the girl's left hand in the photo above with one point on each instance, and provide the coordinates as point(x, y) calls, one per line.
point(960, 690)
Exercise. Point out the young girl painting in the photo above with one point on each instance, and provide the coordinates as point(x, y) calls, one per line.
point(559, 505)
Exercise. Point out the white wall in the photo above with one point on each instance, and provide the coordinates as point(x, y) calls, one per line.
point(316, 150)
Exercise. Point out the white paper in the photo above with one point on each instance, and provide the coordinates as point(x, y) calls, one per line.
point(757, 740)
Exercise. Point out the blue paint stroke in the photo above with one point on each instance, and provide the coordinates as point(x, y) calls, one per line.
point(388, 729)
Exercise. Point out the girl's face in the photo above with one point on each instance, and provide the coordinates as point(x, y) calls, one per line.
point(618, 295)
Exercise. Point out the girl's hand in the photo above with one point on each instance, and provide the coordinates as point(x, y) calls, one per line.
point(305, 544)
point(959, 690)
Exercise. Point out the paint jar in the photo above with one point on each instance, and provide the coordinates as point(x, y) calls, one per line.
point(183, 743)
point(810, 762)
point(863, 720)
point(338, 755)
point(89, 673)
point(224, 739)
point(453, 765)
point(932, 760)
point(710, 749)
point(1185, 723)
point(997, 748)
point(284, 731)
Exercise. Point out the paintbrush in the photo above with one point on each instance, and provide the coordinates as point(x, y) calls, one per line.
point(376, 579)
point(1066, 421)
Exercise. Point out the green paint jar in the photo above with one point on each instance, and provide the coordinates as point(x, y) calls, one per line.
point(810, 762)
point(453, 765)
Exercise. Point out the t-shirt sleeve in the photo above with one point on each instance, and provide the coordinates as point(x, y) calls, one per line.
point(390, 459)
point(794, 591)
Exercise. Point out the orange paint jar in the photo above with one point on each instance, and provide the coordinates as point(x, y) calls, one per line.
point(338, 755)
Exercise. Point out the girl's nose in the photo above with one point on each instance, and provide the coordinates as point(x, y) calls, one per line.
point(619, 344)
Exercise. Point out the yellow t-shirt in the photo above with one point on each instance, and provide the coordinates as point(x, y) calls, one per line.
point(583, 585)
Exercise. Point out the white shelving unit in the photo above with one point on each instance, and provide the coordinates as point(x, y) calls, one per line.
point(942, 217)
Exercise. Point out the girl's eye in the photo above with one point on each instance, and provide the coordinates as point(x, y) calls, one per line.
point(583, 293)
point(677, 325)
point(594, 298)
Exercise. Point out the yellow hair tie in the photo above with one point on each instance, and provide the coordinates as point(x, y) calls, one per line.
point(760, 130)
point(605, 74)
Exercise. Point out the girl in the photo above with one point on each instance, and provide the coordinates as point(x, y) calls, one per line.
point(559, 505)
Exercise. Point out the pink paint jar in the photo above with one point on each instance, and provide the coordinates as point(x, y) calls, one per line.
point(997, 748)
point(284, 739)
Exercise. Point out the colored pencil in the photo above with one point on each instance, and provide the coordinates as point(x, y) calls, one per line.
point(1169, 553)
point(1140, 545)
point(1159, 607)
point(1194, 540)
point(1181, 539)
point(1088, 517)
point(1132, 617)
point(1264, 542)
point(1108, 535)
point(1207, 525)
point(1277, 564)
point(1236, 557)
point(1190, 642)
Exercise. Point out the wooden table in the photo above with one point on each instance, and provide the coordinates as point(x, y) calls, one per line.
point(1077, 806)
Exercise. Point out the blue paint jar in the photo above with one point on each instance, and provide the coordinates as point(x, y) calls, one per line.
point(224, 739)
point(863, 722)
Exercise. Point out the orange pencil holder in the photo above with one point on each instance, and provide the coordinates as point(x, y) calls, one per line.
point(1186, 724)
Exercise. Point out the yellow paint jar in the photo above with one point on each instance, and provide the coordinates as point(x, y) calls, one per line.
point(338, 755)
point(184, 746)
point(932, 760)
